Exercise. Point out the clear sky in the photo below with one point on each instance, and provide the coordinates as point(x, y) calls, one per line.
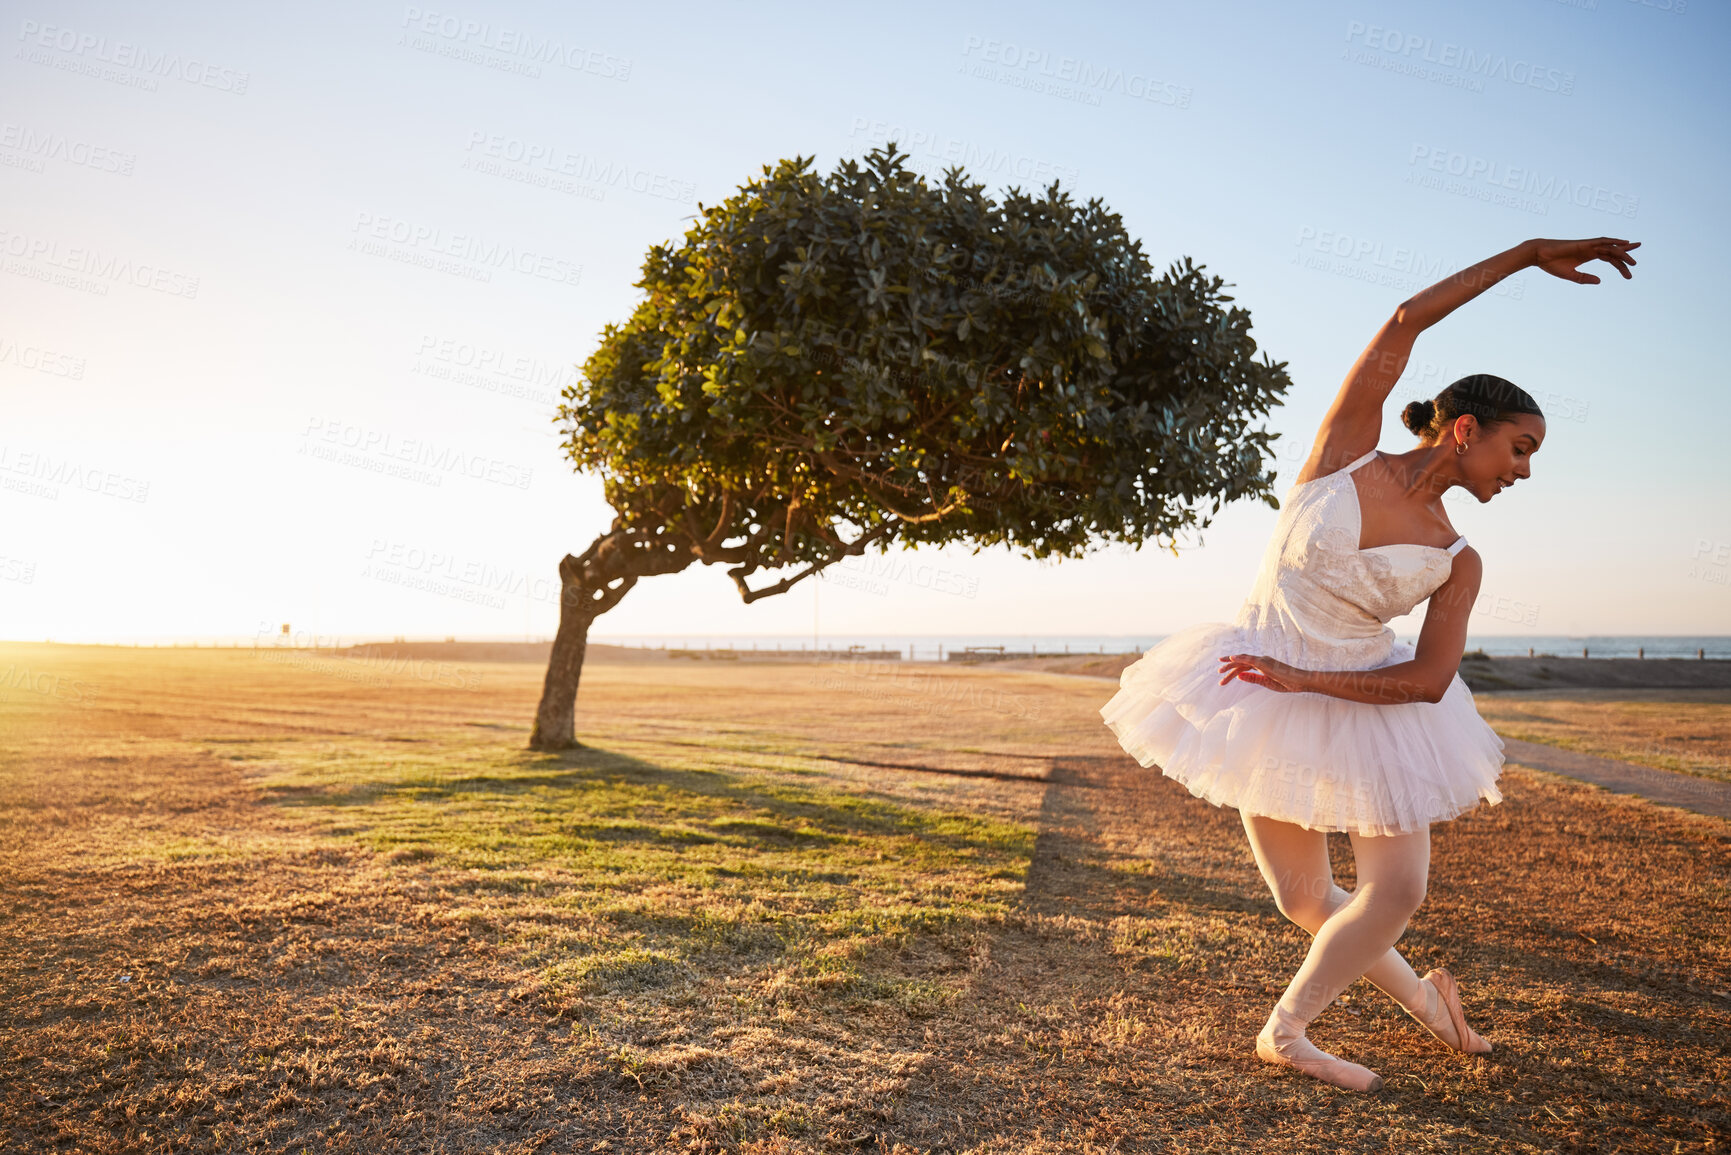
point(246, 309)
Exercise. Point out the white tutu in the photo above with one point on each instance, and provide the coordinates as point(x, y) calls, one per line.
point(1322, 762)
point(1325, 763)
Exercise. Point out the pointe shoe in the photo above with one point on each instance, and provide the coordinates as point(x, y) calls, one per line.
point(1301, 1054)
point(1449, 1004)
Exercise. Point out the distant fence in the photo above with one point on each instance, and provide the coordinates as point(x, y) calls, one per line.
point(728, 654)
point(913, 653)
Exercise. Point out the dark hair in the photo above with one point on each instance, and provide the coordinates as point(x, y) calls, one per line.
point(1487, 397)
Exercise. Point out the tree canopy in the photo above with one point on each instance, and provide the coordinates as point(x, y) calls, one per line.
point(829, 362)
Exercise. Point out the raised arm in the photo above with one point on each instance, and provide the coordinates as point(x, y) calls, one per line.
point(1353, 424)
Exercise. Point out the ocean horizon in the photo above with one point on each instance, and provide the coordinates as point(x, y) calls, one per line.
point(930, 646)
point(926, 646)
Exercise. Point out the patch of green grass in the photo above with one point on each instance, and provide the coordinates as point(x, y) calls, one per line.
point(619, 875)
point(198, 849)
point(919, 998)
point(630, 969)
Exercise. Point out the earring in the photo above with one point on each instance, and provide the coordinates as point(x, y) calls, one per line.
point(1461, 447)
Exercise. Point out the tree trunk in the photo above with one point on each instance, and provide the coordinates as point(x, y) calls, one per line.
point(589, 586)
point(593, 583)
point(556, 717)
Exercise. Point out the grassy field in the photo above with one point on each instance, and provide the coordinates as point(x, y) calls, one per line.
point(1684, 730)
point(286, 902)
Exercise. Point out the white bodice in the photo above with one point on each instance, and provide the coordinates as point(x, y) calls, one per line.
point(1323, 602)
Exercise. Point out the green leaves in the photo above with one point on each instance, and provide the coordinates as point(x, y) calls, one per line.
point(883, 350)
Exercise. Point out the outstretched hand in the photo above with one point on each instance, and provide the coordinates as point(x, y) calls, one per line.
point(1261, 671)
point(1560, 258)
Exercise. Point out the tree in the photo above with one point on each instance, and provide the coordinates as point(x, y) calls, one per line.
point(829, 364)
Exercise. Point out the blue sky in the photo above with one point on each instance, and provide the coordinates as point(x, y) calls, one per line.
point(241, 307)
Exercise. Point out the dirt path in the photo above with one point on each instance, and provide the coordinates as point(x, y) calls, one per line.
point(1666, 787)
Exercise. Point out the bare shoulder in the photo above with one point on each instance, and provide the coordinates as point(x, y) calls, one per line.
point(1458, 591)
point(1331, 455)
point(1468, 566)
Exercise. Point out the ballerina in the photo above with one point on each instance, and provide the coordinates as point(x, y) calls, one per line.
point(1316, 718)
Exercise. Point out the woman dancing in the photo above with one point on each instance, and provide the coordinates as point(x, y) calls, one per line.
point(1306, 715)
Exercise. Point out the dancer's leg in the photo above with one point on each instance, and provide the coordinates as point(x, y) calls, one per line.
point(1392, 873)
point(1294, 863)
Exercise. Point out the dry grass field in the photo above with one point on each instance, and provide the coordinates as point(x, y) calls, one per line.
point(288, 902)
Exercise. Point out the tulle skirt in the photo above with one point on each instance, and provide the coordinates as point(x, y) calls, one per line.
point(1322, 762)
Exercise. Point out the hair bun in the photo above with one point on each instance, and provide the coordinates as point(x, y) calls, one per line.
point(1418, 415)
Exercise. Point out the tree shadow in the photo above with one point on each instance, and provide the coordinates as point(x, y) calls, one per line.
point(1105, 846)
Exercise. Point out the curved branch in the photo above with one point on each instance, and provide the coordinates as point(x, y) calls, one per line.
point(722, 521)
point(598, 601)
point(626, 553)
point(749, 595)
point(875, 488)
